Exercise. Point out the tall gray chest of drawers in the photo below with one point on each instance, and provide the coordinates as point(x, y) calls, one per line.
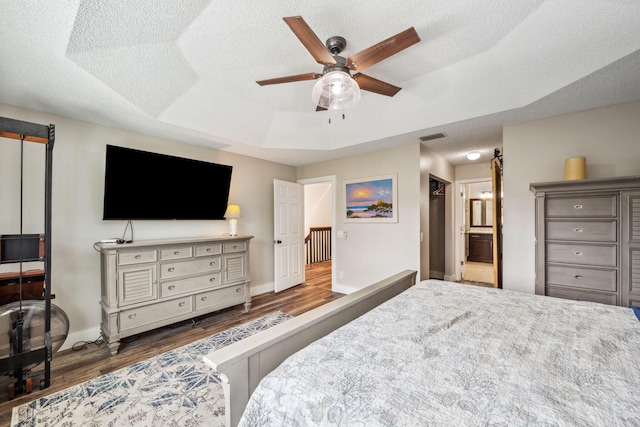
point(588, 240)
point(153, 283)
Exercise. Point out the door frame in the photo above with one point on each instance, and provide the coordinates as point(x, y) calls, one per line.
point(460, 243)
point(334, 250)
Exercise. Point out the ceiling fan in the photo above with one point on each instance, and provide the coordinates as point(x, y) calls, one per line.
point(336, 87)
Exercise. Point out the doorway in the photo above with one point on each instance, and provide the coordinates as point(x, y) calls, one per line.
point(478, 224)
point(475, 240)
point(437, 229)
point(319, 223)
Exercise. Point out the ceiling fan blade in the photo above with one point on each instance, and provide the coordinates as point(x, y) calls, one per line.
point(309, 39)
point(383, 50)
point(319, 108)
point(374, 85)
point(288, 79)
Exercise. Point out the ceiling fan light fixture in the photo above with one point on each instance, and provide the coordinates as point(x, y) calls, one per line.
point(336, 90)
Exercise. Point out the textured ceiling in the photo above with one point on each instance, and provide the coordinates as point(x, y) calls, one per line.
point(187, 70)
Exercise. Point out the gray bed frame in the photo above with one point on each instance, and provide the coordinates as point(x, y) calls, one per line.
point(243, 364)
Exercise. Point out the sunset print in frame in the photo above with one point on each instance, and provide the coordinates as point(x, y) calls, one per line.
point(373, 199)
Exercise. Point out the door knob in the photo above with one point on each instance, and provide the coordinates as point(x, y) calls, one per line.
point(277, 242)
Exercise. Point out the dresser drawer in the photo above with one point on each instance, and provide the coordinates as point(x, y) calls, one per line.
point(209, 249)
point(610, 299)
point(230, 247)
point(179, 252)
point(597, 231)
point(192, 284)
point(136, 317)
point(589, 206)
point(596, 255)
point(224, 297)
point(585, 278)
point(195, 266)
point(136, 257)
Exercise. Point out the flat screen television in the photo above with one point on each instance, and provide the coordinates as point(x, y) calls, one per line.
point(143, 185)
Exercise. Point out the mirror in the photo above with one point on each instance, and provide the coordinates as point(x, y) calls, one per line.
point(481, 212)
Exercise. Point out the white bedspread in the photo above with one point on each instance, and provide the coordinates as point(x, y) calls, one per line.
point(442, 353)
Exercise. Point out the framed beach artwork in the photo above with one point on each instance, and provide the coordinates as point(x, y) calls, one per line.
point(373, 199)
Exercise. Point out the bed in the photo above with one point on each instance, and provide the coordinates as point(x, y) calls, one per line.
point(442, 353)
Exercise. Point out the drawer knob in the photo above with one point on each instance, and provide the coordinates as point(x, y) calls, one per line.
point(172, 287)
point(132, 316)
point(577, 276)
point(235, 246)
point(213, 279)
point(578, 230)
point(181, 304)
point(577, 206)
point(176, 252)
point(203, 299)
point(238, 290)
point(170, 270)
point(138, 256)
point(212, 263)
point(208, 249)
point(578, 253)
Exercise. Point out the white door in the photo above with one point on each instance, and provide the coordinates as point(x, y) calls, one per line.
point(288, 215)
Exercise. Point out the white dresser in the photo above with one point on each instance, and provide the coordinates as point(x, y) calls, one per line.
point(588, 240)
point(153, 283)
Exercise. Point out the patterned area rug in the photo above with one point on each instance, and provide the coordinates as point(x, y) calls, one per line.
point(175, 388)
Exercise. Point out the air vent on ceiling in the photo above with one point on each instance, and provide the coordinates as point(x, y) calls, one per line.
point(432, 136)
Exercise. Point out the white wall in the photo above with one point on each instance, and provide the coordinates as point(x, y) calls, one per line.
point(78, 185)
point(373, 251)
point(477, 188)
point(318, 205)
point(608, 137)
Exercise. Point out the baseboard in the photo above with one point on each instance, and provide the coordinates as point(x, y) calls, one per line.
point(85, 335)
point(343, 289)
point(449, 278)
point(262, 289)
point(436, 274)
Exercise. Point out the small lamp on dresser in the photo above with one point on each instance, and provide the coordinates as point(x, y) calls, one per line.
point(232, 214)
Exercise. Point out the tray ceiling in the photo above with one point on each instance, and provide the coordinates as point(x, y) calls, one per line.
point(187, 70)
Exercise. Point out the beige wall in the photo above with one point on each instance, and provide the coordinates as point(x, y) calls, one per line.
point(474, 171)
point(608, 137)
point(373, 251)
point(534, 152)
point(78, 185)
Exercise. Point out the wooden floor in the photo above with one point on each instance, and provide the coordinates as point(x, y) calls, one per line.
point(71, 367)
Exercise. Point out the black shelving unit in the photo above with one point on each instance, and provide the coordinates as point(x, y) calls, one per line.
point(20, 248)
